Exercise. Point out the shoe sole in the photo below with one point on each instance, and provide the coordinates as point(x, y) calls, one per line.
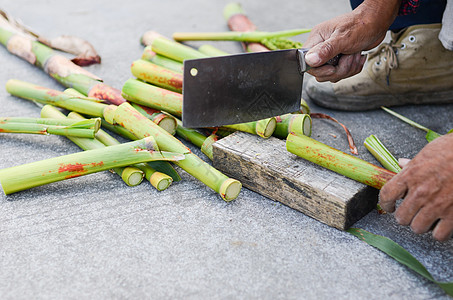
point(360, 103)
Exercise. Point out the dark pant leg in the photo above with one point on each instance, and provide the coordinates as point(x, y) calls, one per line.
point(429, 12)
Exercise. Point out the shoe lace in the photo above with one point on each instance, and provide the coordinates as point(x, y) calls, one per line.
point(387, 52)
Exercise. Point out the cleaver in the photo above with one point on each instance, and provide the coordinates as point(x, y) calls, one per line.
point(241, 88)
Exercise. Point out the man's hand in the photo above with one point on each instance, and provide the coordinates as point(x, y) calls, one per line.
point(362, 29)
point(426, 184)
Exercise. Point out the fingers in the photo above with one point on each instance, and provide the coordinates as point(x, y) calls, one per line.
point(443, 230)
point(348, 65)
point(392, 191)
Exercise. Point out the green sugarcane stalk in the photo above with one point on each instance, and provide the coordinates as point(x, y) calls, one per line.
point(165, 121)
point(38, 173)
point(119, 130)
point(337, 161)
point(140, 126)
point(42, 95)
point(75, 130)
point(163, 61)
point(299, 124)
point(175, 50)
point(198, 139)
point(382, 154)
point(59, 67)
point(250, 36)
point(48, 96)
point(130, 175)
point(157, 179)
point(152, 96)
point(211, 51)
point(157, 75)
point(88, 123)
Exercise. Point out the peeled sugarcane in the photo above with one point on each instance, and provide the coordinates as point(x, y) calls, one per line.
point(381, 153)
point(337, 161)
point(59, 67)
point(248, 36)
point(15, 179)
point(198, 139)
point(151, 56)
point(165, 121)
point(132, 176)
point(140, 126)
point(299, 124)
point(128, 117)
point(157, 75)
point(86, 128)
point(152, 96)
point(157, 179)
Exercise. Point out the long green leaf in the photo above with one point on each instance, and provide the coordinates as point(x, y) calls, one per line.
point(400, 254)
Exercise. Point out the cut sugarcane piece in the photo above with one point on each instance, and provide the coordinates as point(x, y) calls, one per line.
point(211, 50)
point(163, 61)
point(159, 180)
point(198, 139)
point(304, 108)
point(381, 153)
point(250, 36)
point(175, 50)
point(430, 134)
point(297, 123)
point(38, 173)
point(165, 121)
point(263, 128)
point(337, 161)
point(130, 175)
point(59, 67)
point(140, 126)
point(157, 75)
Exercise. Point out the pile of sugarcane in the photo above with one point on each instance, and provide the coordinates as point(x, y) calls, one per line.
point(146, 111)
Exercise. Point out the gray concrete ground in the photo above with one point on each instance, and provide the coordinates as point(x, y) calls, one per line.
point(92, 237)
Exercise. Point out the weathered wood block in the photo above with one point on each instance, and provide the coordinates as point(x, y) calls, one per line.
point(266, 167)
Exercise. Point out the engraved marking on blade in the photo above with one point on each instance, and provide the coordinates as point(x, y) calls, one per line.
point(264, 104)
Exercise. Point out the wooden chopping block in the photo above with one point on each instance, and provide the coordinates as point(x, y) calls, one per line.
point(266, 167)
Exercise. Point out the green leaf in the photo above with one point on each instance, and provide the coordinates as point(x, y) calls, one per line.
point(400, 254)
point(432, 135)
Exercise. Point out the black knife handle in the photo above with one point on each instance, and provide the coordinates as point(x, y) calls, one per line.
point(303, 65)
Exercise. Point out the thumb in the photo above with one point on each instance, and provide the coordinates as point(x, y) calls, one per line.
point(321, 53)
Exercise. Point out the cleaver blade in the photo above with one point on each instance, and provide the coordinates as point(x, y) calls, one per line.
point(242, 88)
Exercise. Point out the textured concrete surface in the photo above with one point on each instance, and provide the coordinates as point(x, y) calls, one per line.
point(92, 237)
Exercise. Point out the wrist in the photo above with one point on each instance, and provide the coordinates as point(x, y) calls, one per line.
point(379, 14)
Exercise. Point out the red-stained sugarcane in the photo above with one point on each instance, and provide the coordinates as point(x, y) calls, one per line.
point(59, 67)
